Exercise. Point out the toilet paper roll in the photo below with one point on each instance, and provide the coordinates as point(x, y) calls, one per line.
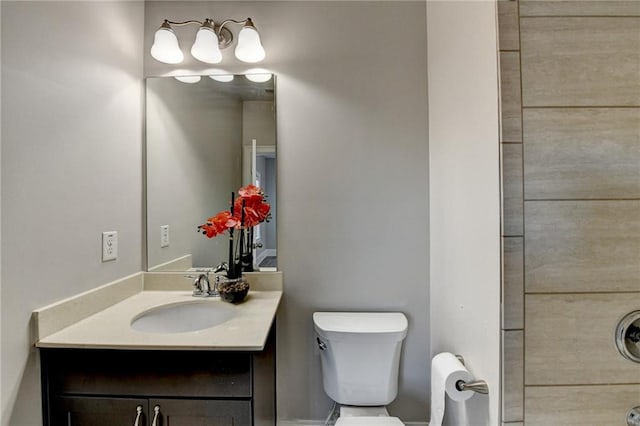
point(446, 370)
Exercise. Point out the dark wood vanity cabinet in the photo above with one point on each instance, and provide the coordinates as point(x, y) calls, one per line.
point(90, 387)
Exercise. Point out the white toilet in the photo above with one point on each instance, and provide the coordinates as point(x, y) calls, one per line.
point(360, 355)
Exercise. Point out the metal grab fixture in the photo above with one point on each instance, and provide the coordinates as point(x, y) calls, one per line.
point(210, 39)
point(477, 386)
point(627, 336)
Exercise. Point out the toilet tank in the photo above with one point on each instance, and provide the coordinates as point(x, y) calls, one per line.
point(360, 355)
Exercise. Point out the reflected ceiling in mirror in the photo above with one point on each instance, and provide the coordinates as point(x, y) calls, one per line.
point(199, 149)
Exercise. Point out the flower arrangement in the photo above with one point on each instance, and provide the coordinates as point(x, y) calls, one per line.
point(247, 210)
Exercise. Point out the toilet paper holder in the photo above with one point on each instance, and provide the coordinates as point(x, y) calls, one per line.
point(478, 386)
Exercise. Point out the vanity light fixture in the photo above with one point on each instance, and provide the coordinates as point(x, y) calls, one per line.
point(210, 39)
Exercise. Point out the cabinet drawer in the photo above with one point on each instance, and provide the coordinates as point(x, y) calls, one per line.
point(174, 412)
point(88, 411)
point(147, 373)
point(106, 411)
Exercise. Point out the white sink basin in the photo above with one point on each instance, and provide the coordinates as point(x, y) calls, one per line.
point(183, 317)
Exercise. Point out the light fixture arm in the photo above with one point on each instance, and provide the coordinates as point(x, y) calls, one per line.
point(192, 21)
point(225, 37)
point(245, 22)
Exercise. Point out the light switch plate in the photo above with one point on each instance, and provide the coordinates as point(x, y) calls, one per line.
point(109, 246)
point(164, 236)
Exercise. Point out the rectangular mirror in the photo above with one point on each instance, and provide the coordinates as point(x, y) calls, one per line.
point(205, 139)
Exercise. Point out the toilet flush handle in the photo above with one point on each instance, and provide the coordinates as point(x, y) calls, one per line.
point(322, 345)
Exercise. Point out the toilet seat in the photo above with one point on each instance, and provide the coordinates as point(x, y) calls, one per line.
point(369, 421)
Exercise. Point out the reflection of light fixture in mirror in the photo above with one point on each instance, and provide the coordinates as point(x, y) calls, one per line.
point(210, 38)
point(188, 78)
point(223, 78)
point(258, 75)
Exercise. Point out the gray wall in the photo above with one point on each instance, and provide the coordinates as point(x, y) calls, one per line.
point(464, 185)
point(352, 174)
point(71, 167)
point(352, 171)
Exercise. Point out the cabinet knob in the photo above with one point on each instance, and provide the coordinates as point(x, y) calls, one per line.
point(156, 416)
point(138, 415)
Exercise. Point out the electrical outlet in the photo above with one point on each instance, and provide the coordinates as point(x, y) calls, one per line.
point(164, 236)
point(109, 246)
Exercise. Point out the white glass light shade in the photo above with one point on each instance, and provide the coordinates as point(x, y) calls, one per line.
point(188, 78)
point(166, 48)
point(249, 49)
point(205, 48)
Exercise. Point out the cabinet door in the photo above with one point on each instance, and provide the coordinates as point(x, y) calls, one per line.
point(176, 412)
point(89, 411)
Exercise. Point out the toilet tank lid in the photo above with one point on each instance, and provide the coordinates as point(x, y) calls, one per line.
point(361, 322)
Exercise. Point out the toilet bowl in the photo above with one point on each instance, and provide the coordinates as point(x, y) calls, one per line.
point(360, 357)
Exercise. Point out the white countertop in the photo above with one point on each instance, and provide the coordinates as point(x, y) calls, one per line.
point(110, 328)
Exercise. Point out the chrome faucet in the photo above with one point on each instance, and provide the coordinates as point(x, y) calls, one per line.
point(202, 286)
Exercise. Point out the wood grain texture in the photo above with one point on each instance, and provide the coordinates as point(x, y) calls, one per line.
point(582, 153)
point(569, 339)
point(580, 405)
point(512, 376)
point(582, 246)
point(511, 100)
point(579, 8)
point(513, 283)
point(508, 25)
point(512, 192)
point(580, 61)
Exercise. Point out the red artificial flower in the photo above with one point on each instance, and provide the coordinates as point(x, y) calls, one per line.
point(218, 224)
point(256, 211)
point(249, 190)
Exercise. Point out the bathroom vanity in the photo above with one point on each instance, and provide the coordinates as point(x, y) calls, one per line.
point(177, 388)
point(98, 369)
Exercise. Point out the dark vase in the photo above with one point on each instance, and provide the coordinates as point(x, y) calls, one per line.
point(246, 256)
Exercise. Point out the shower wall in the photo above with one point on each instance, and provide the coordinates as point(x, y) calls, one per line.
point(570, 83)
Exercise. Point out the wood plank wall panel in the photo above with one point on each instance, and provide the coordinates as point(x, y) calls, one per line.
point(580, 405)
point(512, 376)
point(510, 92)
point(512, 191)
point(512, 362)
point(582, 246)
point(582, 153)
point(508, 25)
point(579, 8)
point(580, 61)
point(513, 283)
point(569, 339)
